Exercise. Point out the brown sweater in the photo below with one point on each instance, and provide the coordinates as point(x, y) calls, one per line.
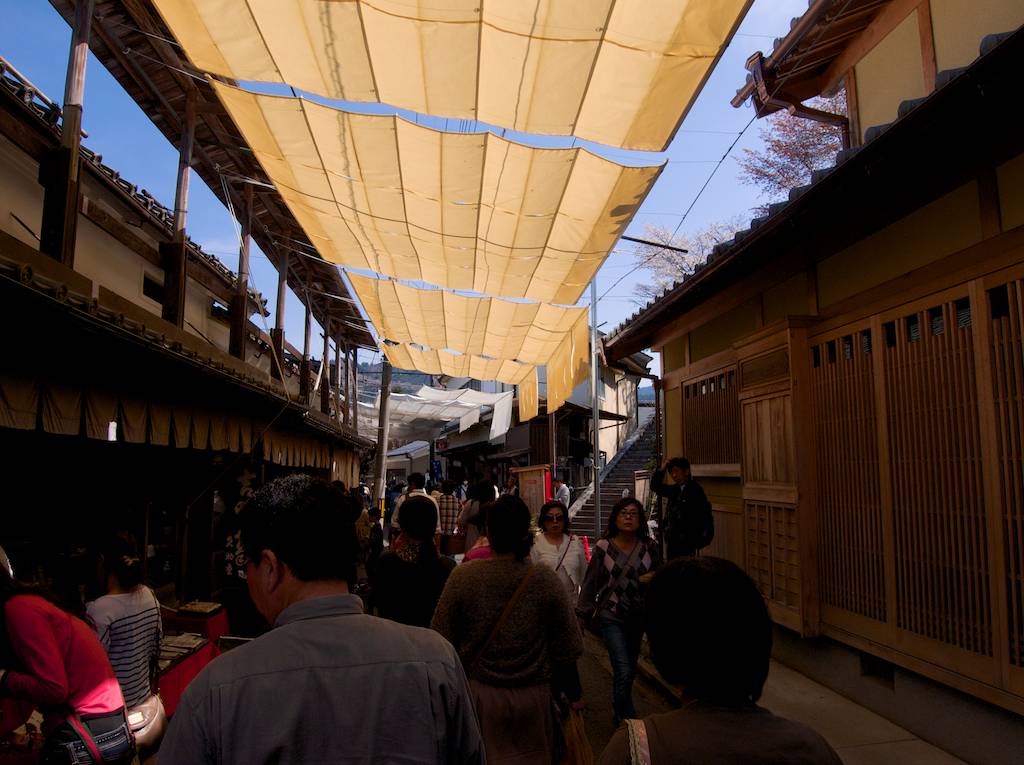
point(540, 631)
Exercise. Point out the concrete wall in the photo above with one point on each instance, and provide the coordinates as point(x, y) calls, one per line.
point(958, 27)
point(1010, 177)
point(947, 225)
point(720, 334)
point(890, 73)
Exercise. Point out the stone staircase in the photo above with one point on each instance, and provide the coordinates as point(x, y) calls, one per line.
point(619, 476)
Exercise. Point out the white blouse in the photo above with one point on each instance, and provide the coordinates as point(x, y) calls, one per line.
point(573, 564)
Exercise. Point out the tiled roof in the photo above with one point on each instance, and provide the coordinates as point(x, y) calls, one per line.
point(725, 249)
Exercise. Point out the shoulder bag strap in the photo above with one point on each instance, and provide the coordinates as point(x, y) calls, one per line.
point(471, 665)
point(639, 747)
point(564, 553)
point(603, 600)
point(83, 733)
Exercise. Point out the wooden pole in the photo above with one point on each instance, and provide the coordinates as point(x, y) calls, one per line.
point(307, 340)
point(348, 388)
point(325, 375)
point(174, 255)
point(355, 388)
point(240, 309)
point(59, 170)
point(553, 443)
point(595, 407)
point(336, 378)
point(380, 461)
point(277, 333)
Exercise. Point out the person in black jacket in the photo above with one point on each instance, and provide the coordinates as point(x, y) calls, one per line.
point(688, 525)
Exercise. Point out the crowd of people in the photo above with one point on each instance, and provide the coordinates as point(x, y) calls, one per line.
point(396, 653)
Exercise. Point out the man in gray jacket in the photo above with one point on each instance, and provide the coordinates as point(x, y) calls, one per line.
point(327, 683)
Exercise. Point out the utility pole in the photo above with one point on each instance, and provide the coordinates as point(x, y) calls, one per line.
point(595, 407)
point(174, 253)
point(380, 462)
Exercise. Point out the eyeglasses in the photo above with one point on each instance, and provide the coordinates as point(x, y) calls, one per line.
point(554, 518)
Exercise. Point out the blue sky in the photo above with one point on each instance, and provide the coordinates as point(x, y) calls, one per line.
point(34, 39)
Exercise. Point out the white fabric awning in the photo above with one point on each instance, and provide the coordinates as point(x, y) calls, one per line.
point(467, 211)
point(618, 72)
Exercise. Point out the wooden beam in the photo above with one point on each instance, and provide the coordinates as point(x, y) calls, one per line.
point(175, 256)
point(349, 413)
point(355, 389)
point(240, 300)
point(325, 382)
point(340, 413)
point(924, 27)
point(59, 171)
point(305, 374)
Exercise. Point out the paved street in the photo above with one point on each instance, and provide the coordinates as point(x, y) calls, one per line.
point(860, 736)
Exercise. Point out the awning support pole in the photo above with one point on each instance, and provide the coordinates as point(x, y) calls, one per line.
point(595, 408)
point(380, 461)
point(277, 333)
point(240, 309)
point(174, 256)
point(58, 172)
point(355, 388)
point(325, 385)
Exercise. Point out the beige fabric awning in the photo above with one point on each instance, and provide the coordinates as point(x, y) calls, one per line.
point(433, 362)
point(568, 366)
point(502, 329)
point(618, 72)
point(469, 211)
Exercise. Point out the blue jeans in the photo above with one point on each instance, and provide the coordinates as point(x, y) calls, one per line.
point(623, 643)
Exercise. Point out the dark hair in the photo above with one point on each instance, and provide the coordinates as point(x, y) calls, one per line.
point(709, 630)
point(339, 485)
point(418, 517)
point(680, 462)
point(448, 487)
point(552, 505)
point(613, 525)
point(417, 480)
point(11, 587)
point(121, 559)
point(308, 524)
point(508, 526)
point(482, 491)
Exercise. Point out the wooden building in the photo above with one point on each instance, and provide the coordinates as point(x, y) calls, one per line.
point(847, 375)
point(140, 387)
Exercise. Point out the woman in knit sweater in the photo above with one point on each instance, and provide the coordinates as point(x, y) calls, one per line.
point(510, 669)
point(612, 597)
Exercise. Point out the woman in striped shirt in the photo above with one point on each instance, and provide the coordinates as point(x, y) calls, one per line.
point(127, 621)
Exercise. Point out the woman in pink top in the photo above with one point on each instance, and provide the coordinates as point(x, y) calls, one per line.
point(56, 661)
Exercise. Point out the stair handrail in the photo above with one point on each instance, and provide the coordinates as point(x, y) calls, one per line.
point(627, 445)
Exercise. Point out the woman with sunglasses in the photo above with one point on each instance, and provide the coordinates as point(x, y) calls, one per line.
point(556, 548)
point(611, 599)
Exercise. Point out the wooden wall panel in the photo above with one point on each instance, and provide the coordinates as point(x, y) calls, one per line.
point(941, 545)
point(711, 420)
point(851, 552)
point(1006, 305)
point(773, 559)
point(768, 449)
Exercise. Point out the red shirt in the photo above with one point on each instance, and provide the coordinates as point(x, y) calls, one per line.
point(63, 662)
